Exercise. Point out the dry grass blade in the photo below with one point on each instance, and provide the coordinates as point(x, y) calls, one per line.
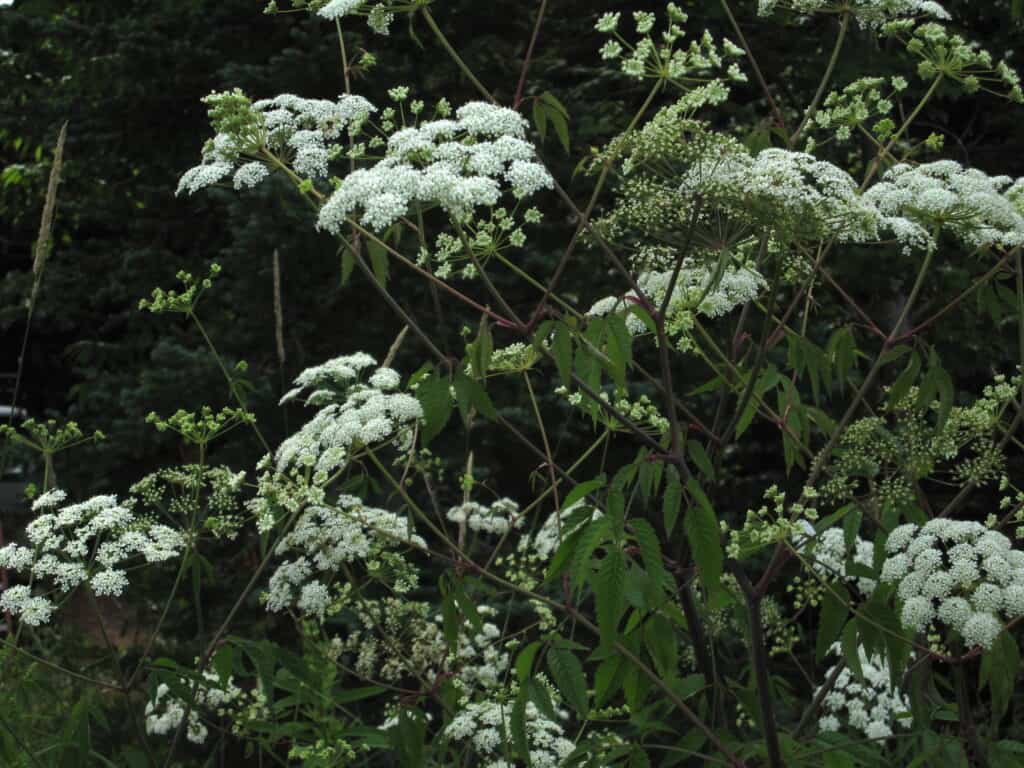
point(42, 248)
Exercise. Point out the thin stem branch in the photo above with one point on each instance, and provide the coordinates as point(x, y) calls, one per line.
point(753, 64)
point(759, 658)
point(518, 99)
point(820, 93)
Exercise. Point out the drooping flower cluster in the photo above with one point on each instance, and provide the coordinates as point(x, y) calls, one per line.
point(872, 705)
point(193, 491)
point(459, 164)
point(486, 726)
point(556, 527)
point(498, 518)
point(830, 555)
point(966, 202)
point(870, 13)
point(682, 182)
point(299, 131)
point(379, 13)
point(90, 542)
point(806, 196)
point(165, 711)
point(353, 414)
point(323, 540)
point(698, 290)
point(957, 573)
point(397, 639)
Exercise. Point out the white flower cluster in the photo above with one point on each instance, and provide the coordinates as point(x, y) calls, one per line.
point(956, 572)
point(870, 13)
point(299, 130)
point(486, 726)
point(323, 539)
point(499, 518)
point(1015, 194)
point(91, 541)
point(830, 556)
point(354, 414)
point(481, 661)
point(379, 15)
point(972, 205)
point(398, 639)
point(457, 164)
point(791, 187)
point(545, 542)
point(698, 290)
point(165, 711)
point(871, 706)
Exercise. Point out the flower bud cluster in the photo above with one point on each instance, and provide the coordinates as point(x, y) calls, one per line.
point(683, 67)
point(869, 13)
point(498, 518)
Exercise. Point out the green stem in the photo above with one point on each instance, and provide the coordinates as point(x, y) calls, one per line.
point(820, 93)
point(429, 18)
point(899, 133)
point(231, 382)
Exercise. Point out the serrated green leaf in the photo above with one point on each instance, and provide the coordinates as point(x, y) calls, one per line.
point(593, 534)
point(607, 679)
point(540, 119)
point(561, 350)
point(567, 674)
point(650, 550)
point(619, 348)
point(703, 534)
point(378, 261)
point(700, 458)
point(549, 98)
point(348, 263)
point(470, 393)
point(517, 724)
point(524, 660)
point(564, 553)
point(582, 490)
point(481, 349)
point(662, 646)
point(851, 649)
point(561, 129)
point(609, 585)
point(833, 616)
point(434, 395)
point(672, 500)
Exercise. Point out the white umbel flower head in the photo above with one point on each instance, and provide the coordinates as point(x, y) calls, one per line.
point(458, 164)
point(88, 542)
point(873, 707)
point(956, 573)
